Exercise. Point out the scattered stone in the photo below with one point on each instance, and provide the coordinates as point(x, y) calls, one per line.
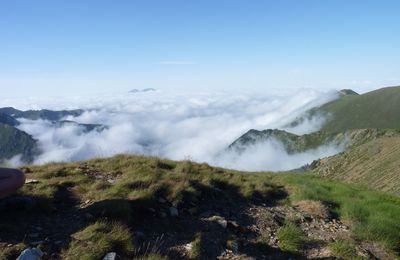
point(173, 212)
point(220, 220)
point(111, 181)
point(26, 170)
point(110, 256)
point(31, 181)
point(162, 200)
point(279, 218)
point(233, 224)
point(188, 247)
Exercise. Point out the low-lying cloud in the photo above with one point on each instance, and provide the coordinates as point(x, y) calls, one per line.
point(271, 155)
point(178, 126)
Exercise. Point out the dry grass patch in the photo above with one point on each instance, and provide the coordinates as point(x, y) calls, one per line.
point(313, 207)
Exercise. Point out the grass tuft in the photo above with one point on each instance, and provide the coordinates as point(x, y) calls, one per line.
point(195, 252)
point(344, 249)
point(98, 239)
point(291, 238)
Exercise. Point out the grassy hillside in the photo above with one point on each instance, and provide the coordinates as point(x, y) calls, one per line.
point(300, 143)
point(147, 208)
point(16, 142)
point(292, 143)
point(375, 109)
point(374, 164)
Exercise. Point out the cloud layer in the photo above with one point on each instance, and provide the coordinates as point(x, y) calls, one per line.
point(178, 126)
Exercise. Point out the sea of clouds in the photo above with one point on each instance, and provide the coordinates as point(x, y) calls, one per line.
point(195, 126)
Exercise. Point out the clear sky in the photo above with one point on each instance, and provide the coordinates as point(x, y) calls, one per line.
point(78, 46)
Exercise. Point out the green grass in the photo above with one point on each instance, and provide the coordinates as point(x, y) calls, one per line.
point(374, 164)
point(144, 178)
point(375, 109)
point(344, 249)
point(291, 238)
point(139, 182)
point(137, 185)
point(374, 215)
point(98, 239)
point(195, 251)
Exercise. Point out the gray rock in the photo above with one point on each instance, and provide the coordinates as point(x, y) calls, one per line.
point(173, 212)
point(30, 254)
point(220, 220)
point(110, 256)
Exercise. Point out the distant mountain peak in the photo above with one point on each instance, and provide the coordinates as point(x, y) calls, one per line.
point(142, 90)
point(348, 92)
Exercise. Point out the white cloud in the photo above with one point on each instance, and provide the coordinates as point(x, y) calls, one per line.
point(175, 126)
point(271, 155)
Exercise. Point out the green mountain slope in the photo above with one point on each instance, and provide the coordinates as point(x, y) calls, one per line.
point(292, 143)
point(375, 164)
point(16, 142)
point(375, 109)
point(301, 143)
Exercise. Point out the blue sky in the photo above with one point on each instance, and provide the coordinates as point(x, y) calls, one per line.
point(79, 46)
